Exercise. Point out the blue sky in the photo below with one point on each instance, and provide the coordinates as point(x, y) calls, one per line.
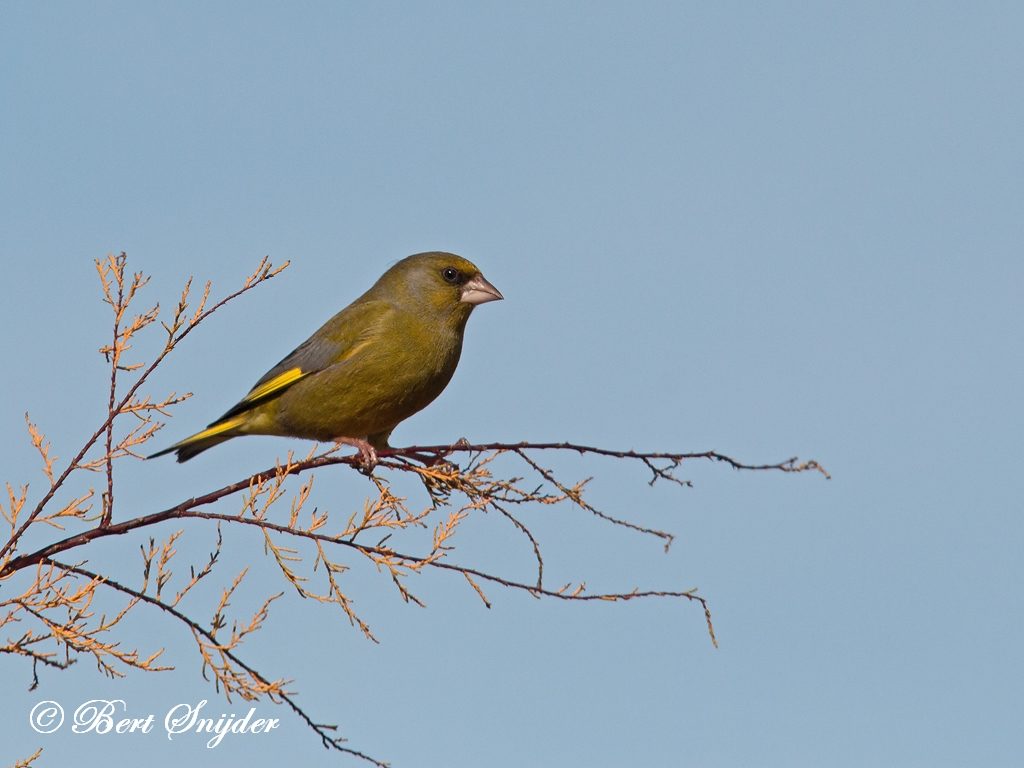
point(769, 230)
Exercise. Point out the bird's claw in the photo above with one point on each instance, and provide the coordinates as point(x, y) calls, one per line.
point(367, 459)
point(367, 454)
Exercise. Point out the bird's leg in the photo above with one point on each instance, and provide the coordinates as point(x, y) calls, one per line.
point(367, 453)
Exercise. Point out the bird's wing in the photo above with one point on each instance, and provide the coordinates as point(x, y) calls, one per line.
point(340, 338)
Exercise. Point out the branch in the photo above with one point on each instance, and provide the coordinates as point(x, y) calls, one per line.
point(329, 742)
point(389, 458)
point(176, 333)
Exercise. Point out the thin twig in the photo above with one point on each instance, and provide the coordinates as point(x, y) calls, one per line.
point(330, 742)
point(115, 358)
point(263, 273)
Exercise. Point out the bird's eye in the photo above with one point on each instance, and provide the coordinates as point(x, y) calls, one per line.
point(451, 275)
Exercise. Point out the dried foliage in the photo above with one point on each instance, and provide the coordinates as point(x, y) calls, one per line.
point(52, 620)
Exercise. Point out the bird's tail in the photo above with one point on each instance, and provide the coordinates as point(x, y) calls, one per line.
point(213, 435)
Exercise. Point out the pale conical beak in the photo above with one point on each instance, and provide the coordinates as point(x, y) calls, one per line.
point(479, 291)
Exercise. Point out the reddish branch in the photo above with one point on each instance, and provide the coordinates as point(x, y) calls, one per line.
point(391, 457)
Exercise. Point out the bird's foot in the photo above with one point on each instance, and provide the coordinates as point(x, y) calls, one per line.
point(367, 453)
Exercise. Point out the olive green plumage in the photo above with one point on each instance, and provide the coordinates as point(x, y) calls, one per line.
point(384, 357)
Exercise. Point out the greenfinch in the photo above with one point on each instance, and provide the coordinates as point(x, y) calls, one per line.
point(384, 357)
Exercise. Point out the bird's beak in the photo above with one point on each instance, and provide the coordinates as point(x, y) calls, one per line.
point(479, 291)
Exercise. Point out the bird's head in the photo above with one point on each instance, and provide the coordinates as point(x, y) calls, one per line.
point(437, 282)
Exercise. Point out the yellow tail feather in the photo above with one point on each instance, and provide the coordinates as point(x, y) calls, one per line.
point(217, 428)
point(200, 441)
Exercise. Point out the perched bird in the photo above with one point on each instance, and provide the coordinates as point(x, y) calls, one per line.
point(384, 357)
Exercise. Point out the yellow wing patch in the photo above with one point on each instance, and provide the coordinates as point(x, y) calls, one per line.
point(279, 382)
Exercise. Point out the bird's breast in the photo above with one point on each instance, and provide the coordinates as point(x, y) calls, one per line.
point(371, 392)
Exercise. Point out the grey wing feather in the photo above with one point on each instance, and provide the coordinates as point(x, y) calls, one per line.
point(323, 349)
